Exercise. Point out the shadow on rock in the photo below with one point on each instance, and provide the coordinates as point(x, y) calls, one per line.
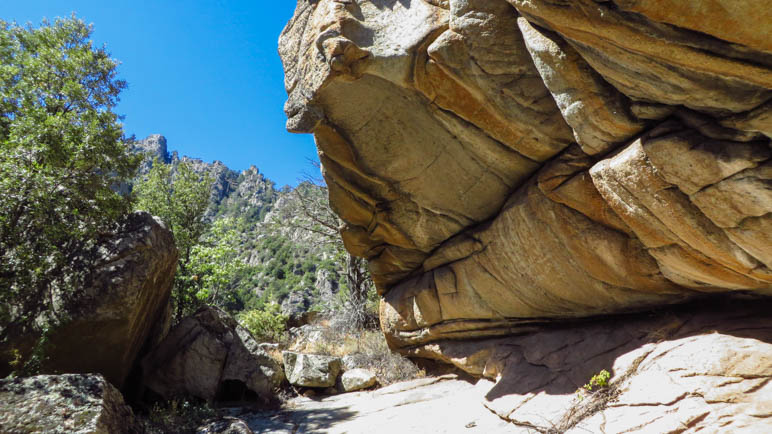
point(672, 358)
point(292, 421)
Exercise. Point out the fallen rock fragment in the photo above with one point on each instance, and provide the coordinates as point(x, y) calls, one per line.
point(226, 425)
point(357, 379)
point(310, 370)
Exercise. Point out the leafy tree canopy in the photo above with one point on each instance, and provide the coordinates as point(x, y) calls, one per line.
point(61, 150)
point(214, 263)
point(180, 198)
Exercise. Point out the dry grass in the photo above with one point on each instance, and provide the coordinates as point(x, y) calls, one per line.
point(365, 349)
point(275, 355)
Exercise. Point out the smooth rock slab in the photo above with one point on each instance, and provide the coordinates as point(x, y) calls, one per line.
point(426, 405)
point(70, 403)
point(311, 370)
point(357, 379)
point(694, 368)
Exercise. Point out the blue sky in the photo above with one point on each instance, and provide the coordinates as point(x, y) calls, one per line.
point(204, 73)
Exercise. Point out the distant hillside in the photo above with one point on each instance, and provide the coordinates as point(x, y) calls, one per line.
point(295, 268)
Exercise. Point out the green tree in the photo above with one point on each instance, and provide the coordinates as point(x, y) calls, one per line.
point(62, 148)
point(214, 263)
point(311, 213)
point(180, 198)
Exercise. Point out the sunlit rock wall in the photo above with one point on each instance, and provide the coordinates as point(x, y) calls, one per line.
point(505, 163)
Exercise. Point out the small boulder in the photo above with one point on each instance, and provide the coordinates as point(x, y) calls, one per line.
point(357, 379)
point(311, 370)
point(82, 403)
point(268, 346)
point(210, 356)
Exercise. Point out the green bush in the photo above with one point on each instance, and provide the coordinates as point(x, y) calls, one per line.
point(267, 324)
point(598, 381)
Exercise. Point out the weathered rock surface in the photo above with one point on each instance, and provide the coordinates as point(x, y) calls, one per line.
point(297, 307)
point(700, 367)
point(703, 366)
point(508, 166)
point(154, 147)
point(311, 370)
point(504, 162)
point(209, 356)
point(69, 403)
point(426, 405)
point(123, 310)
point(357, 379)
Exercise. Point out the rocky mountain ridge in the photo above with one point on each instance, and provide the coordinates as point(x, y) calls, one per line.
point(286, 264)
point(234, 193)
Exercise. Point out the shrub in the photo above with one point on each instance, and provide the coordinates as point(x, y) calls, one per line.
point(598, 381)
point(370, 351)
point(267, 324)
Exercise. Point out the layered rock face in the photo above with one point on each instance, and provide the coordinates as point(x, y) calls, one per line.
point(519, 170)
point(124, 309)
point(504, 163)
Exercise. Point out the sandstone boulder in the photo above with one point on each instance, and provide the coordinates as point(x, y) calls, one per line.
point(210, 356)
point(512, 169)
point(105, 326)
point(357, 379)
point(502, 163)
point(69, 403)
point(311, 370)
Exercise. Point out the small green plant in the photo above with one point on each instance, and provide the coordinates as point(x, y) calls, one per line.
point(598, 380)
point(267, 324)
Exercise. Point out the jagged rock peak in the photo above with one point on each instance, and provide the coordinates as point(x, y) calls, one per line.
point(155, 146)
